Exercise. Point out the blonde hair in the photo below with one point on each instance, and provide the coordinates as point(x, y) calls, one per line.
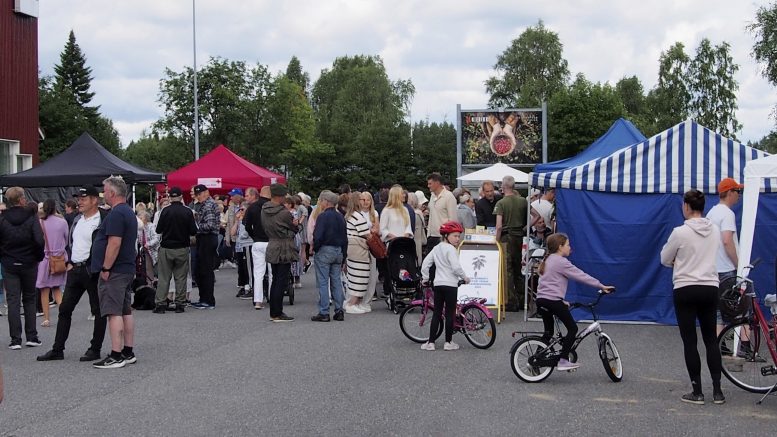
point(395, 201)
point(554, 241)
point(353, 205)
point(372, 211)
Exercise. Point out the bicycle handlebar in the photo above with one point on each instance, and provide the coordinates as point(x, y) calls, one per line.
point(591, 305)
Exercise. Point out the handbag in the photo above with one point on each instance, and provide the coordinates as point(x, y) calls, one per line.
point(57, 263)
point(376, 245)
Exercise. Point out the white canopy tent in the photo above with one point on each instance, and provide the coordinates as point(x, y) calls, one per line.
point(760, 174)
point(495, 173)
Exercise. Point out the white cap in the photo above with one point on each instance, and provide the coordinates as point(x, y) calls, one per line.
point(421, 197)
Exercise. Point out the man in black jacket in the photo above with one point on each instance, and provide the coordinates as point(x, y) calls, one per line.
point(80, 278)
point(21, 249)
point(176, 225)
point(484, 207)
point(253, 224)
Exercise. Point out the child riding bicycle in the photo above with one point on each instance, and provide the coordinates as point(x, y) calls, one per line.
point(555, 272)
point(448, 272)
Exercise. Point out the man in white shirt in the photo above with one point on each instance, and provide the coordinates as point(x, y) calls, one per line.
point(80, 278)
point(442, 209)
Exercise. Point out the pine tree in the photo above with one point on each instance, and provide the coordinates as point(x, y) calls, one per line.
point(295, 74)
point(74, 76)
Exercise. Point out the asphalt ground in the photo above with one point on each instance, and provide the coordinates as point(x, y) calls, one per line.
point(232, 372)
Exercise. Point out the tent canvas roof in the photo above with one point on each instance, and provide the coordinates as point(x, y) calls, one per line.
point(495, 173)
point(225, 170)
point(622, 133)
point(85, 162)
point(685, 156)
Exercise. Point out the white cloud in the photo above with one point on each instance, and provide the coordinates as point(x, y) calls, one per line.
point(446, 48)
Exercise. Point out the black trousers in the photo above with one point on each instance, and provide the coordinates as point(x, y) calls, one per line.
point(692, 303)
point(20, 289)
point(206, 263)
point(549, 308)
point(443, 296)
point(242, 270)
point(280, 282)
point(78, 281)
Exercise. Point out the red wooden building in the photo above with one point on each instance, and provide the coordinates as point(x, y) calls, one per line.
point(18, 85)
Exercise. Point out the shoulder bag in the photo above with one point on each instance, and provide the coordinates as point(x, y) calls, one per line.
point(57, 263)
point(376, 245)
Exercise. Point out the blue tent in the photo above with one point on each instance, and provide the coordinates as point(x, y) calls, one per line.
point(619, 210)
point(620, 134)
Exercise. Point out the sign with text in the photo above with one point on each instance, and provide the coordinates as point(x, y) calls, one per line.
point(210, 182)
point(482, 268)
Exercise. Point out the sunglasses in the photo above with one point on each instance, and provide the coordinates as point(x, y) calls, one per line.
point(737, 191)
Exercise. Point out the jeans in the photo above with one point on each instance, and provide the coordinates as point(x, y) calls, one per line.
point(78, 281)
point(20, 288)
point(329, 267)
point(206, 263)
point(172, 264)
point(280, 283)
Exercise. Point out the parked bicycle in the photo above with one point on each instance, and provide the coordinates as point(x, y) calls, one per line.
point(533, 359)
point(748, 344)
point(473, 319)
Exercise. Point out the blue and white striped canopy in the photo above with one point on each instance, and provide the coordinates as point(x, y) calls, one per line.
point(681, 158)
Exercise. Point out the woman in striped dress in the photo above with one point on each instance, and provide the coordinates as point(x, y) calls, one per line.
point(358, 260)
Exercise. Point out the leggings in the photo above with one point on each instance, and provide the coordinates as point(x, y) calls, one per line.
point(547, 309)
point(443, 296)
point(692, 303)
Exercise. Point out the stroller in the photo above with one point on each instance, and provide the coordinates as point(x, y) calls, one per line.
point(403, 272)
point(144, 284)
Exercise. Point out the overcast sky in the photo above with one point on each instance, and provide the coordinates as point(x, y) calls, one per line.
point(447, 48)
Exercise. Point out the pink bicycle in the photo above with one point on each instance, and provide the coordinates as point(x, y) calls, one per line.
point(473, 319)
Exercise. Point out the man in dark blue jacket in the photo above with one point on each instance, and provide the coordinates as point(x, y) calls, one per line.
point(330, 243)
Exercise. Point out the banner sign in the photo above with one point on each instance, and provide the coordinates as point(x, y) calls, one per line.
point(510, 137)
point(482, 268)
point(210, 182)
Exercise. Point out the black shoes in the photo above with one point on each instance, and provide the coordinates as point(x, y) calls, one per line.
point(718, 398)
point(90, 355)
point(179, 308)
point(160, 308)
point(320, 318)
point(693, 398)
point(110, 363)
point(339, 316)
point(282, 318)
point(51, 355)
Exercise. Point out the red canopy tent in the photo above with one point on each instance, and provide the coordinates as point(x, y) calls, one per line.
point(221, 170)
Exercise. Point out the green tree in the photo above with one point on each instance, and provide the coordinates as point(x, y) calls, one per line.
point(360, 114)
point(74, 76)
point(764, 28)
point(153, 152)
point(767, 143)
point(713, 88)
point(632, 94)
point(295, 74)
point(579, 114)
point(669, 101)
point(434, 149)
point(529, 71)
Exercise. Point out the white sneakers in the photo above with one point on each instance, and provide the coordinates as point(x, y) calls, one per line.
point(448, 346)
point(566, 365)
point(354, 309)
point(366, 307)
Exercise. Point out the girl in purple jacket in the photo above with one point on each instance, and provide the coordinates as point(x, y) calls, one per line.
point(555, 272)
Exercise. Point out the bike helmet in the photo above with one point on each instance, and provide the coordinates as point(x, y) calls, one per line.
point(451, 227)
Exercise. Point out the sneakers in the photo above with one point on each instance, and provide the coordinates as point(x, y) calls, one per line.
point(15, 346)
point(129, 359)
point(35, 342)
point(110, 363)
point(339, 316)
point(282, 318)
point(160, 308)
point(247, 295)
point(566, 365)
point(450, 346)
point(428, 346)
point(354, 309)
point(307, 267)
point(365, 307)
point(320, 318)
point(203, 306)
point(718, 398)
point(51, 355)
point(692, 398)
point(258, 306)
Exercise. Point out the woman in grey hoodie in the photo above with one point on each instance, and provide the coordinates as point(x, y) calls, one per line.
point(690, 251)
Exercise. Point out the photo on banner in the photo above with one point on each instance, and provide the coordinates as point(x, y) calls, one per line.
point(510, 137)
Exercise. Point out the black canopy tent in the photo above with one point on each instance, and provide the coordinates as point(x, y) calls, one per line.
point(85, 162)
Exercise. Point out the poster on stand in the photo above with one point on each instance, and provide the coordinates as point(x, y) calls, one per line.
point(482, 268)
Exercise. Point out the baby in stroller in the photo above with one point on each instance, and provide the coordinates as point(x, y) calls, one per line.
point(403, 273)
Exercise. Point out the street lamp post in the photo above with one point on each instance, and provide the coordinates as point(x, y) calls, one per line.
point(196, 105)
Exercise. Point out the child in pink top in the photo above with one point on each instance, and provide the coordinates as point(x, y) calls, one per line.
point(555, 272)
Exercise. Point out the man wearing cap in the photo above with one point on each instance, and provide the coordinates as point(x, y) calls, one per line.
point(723, 217)
point(208, 224)
point(280, 227)
point(484, 207)
point(80, 277)
point(176, 225)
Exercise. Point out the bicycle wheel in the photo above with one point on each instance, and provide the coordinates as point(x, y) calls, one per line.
point(521, 352)
point(611, 359)
point(744, 368)
point(479, 330)
point(415, 323)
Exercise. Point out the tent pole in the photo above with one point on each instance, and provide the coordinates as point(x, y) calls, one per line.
point(133, 197)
